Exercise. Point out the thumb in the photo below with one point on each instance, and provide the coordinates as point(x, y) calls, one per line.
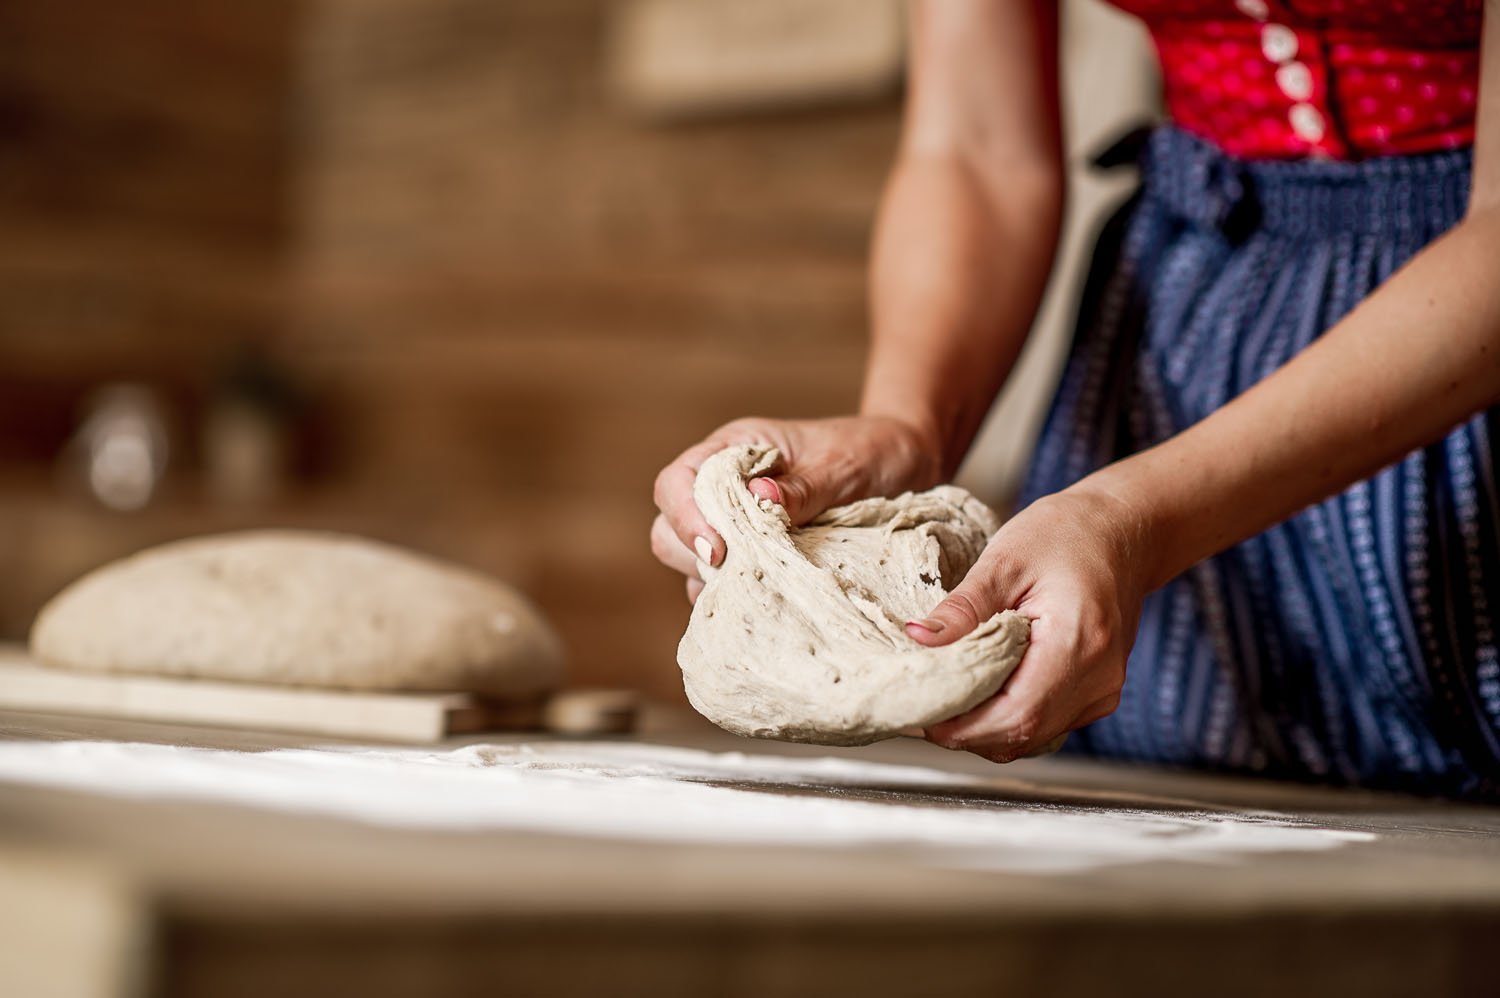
point(802, 495)
point(958, 614)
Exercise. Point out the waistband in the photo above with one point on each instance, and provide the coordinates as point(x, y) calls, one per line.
point(1312, 198)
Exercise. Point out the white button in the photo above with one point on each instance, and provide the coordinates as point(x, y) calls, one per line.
point(1278, 42)
point(1255, 9)
point(1307, 122)
point(1295, 80)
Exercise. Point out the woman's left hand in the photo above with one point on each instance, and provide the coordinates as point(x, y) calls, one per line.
point(1074, 562)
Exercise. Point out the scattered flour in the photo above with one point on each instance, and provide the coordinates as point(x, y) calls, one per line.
point(644, 792)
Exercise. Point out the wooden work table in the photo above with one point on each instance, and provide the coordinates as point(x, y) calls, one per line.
point(194, 898)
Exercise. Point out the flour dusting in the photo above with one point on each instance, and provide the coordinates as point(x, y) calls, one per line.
point(643, 792)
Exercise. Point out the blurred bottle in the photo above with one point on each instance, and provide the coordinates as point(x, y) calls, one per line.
point(246, 431)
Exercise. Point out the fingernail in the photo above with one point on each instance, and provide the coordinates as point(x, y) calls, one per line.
point(705, 548)
point(765, 488)
point(931, 625)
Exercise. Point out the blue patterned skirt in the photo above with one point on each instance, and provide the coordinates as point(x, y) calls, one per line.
point(1355, 643)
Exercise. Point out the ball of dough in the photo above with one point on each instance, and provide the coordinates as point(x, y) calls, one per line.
point(800, 634)
point(300, 609)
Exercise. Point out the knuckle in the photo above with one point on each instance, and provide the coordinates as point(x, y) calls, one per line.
point(1096, 638)
point(658, 546)
point(954, 742)
point(735, 429)
point(661, 487)
point(1047, 747)
point(961, 604)
point(794, 492)
point(945, 737)
point(1025, 728)
point(1001, 749)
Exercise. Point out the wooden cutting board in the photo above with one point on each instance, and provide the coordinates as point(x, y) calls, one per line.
point(408, 717)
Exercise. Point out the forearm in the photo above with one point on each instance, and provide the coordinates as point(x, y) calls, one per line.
point(1416, 358)
point(959, 266)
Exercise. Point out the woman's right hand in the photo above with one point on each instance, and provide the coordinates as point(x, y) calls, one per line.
point(824, 463)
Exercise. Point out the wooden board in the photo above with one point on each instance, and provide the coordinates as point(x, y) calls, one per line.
point(410, 717)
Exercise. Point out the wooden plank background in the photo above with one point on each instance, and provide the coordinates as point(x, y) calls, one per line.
point(507, 301)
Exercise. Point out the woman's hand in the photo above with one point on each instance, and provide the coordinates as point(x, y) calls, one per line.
point(1075, 563)
point(824, 463)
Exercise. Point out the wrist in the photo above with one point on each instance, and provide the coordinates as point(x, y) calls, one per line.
point(915, 439)
point(1131, 511)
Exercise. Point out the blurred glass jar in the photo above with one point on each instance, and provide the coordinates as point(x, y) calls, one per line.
point(121, 448)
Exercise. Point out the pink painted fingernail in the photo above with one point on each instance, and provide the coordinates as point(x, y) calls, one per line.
point(931, 625)
point(705, 548)
point(765, 488)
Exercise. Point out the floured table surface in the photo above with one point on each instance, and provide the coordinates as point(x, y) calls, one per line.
point(694, 863)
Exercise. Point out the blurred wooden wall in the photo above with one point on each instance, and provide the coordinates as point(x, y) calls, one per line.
point(507, 302)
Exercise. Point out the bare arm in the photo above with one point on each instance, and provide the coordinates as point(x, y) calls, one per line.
point(1417, 357)
point(963, 246)
point(969, 223)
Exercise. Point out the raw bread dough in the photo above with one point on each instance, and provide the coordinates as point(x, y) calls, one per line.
point(300, 609)
point(799, 634)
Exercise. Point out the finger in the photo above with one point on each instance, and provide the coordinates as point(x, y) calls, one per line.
point(767, 489)
point(1066, 675)
point(997, 729)
point(990, 586)
point(669, 550)
point(803, 493)
point(1054, 745)
point(1026, 718)
point(1028, 712)
point(959, 613)
point(1006, 745)
point(674, 497)
point(694, 588)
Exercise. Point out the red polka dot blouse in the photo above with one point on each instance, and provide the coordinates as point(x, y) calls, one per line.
point(1347, 79)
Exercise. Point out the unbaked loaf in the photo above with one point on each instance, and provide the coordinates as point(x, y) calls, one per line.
point(301, 608)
